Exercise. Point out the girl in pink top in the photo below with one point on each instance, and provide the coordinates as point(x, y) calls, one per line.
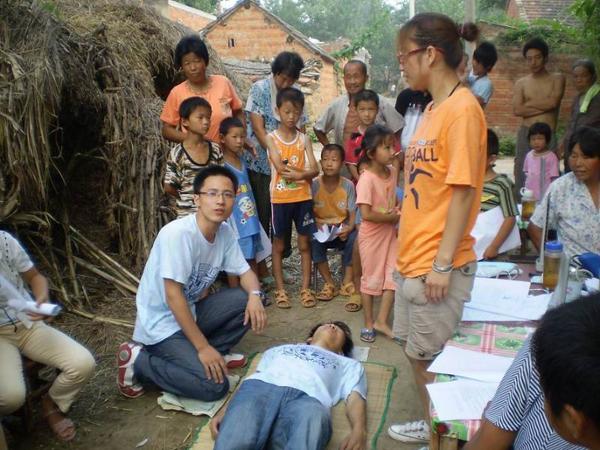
point(541, 165)
point(376, 198)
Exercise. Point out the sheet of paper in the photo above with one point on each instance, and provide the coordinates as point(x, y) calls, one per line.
point(532, 307)
point(486, 228)
point(360, 353)
point(506, 298)
point(461, 399)
point(266, 246)
point(327, 233)
point(470, 364)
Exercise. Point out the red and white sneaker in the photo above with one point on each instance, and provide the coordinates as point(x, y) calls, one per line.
point(126, 356)
point(235, 360)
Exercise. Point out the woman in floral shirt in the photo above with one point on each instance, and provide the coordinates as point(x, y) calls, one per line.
point(573, 200)
point(263, 119)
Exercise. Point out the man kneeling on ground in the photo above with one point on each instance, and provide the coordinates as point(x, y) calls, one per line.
point(186, 333)
point(287, 402)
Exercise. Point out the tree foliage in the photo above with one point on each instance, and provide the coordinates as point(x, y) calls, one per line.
point(588, 11)
point(209, 6)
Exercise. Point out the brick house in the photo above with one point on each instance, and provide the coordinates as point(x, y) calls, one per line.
point(248, 32)
point(186, 15)
point(529, 10)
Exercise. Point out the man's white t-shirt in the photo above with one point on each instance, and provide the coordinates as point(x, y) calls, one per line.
point(319, 373)
point(181, 253)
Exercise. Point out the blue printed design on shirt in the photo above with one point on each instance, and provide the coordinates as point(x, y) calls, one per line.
point(310, 355)
point(202, 277)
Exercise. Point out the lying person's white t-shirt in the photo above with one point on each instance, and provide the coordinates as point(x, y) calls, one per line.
point(319, 373)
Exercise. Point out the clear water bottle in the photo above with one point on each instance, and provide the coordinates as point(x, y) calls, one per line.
point(553, 252)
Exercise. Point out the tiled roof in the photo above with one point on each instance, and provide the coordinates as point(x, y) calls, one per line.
point(545, 9)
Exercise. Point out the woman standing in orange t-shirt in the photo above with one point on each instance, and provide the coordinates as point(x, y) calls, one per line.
point(444, 170)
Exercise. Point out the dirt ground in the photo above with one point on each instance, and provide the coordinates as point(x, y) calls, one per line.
point(106, 420)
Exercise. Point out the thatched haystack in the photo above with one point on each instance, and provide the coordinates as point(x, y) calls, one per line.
point(82, 159)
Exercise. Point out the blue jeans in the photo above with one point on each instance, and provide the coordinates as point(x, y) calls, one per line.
point(319, 249)
point(264, 416)
point(173, 365)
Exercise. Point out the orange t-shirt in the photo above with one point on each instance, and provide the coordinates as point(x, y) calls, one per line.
point(448, 148)
point(220, 94)
point(289, 191)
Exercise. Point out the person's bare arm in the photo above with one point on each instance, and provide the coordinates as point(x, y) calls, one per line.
point(503, 233)
point(214, 364)
point(490, 437)
point(321, 136)
point(520, 107)
point(356, 411)
point(255, 311)
point(352, 168)
point(215, 422)
point(436, 284)
point(552, 101)
point(274, 155)
point(258, 127)
point(308, 173)
point(39, 288)
point(367, 213)
point(535, 234)
point(171, 133)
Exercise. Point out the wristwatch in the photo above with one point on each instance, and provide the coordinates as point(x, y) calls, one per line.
point(258, 293)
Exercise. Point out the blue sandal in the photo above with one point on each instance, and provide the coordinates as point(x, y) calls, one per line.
point(367, 335)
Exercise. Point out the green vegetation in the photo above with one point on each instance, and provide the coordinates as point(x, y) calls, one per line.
point(559, 36)
point(209, 6)
point(588, 11)
point(508, 145)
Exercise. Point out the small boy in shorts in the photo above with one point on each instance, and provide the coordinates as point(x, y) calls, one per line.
point(244, 215)
point(334, 204)
point(191, 156)
point(366, 103)
point(497, 191)
point(293, 166)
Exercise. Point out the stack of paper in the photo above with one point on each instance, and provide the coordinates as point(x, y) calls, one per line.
point(467, 397)
point(497, 300)
point(461, 399)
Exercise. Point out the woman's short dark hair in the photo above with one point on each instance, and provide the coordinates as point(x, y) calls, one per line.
point(213, 171)
point(190, 44)
point(536, 43)
point(588, 64)
point(288, 63)
point(588, 139)
point(348, 345)
point(493, 144)
point(441, 32)
point(486, 55)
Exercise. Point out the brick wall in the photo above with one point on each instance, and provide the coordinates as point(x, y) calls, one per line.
point(510, 67)
point(249, 34)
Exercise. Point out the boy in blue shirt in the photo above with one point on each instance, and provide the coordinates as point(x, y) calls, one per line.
point(245, 218)
point(484, 59)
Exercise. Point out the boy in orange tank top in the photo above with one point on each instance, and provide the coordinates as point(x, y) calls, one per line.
point(293, 166)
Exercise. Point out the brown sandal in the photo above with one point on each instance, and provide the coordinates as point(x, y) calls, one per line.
point(307, 298)
point(354, 303)
point(347, 289)
point(281, 299)
point(327, 293)
point(63, 428)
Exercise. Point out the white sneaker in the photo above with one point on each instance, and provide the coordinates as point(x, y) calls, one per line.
point(126, 382)
point(411, 432)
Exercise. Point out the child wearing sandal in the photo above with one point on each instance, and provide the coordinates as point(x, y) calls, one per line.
point(376, 198)
point(334, 203)
point(25, 334)
point(293, 166)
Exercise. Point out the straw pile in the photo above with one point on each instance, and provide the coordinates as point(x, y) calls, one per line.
point(82, 158)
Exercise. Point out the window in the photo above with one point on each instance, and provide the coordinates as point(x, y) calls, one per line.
point(230, 42)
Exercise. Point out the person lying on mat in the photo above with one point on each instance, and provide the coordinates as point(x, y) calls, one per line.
point(287, 402)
